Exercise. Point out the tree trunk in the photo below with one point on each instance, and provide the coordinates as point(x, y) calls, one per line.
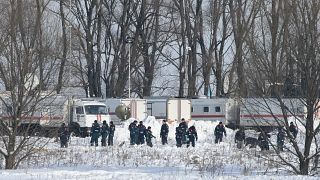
point(10, 162)
point(64, 49)
point(304, 166)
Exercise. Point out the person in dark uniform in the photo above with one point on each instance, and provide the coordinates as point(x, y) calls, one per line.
point(218, 132)
point(141, 131)
point(179, 134)
point(240, 138)
point(280, 139)
point(63, 135)
point(104, 133)
point(164, 132)
point(264, 141)
point(112, 128)
point(149, 136)
point(184, 127)
point(192, 136)
point(95, 133)
point(133, 132)
point(293, 129)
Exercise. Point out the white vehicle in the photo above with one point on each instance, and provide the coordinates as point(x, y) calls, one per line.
point(138, 107)
point(50, 113)
point(208, 109)
point(169, 108)
point(85, 111)
point(262, 113)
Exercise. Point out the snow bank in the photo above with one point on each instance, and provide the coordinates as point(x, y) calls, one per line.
point(123, 161)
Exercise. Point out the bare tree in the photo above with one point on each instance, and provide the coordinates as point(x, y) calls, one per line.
point(117, 30)
point(24, 51)
point(217, 20)
point(88, 15)
point(289, 33)
point(243, 14)
point(64, 46)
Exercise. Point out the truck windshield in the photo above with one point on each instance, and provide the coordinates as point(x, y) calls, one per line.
point(95, 109)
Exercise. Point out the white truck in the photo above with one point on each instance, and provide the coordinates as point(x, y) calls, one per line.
point(263, 113)
point(52, 111)
point(138, 107)
point(170, 109)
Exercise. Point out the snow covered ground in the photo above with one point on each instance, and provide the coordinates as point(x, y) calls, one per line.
point(122, 161)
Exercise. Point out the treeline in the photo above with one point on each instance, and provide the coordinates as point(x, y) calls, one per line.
point(247, 48)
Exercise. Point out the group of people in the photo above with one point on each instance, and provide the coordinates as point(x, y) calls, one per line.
point(185, 135)
point(263, 138)
point(139, 134)
point(105, 131)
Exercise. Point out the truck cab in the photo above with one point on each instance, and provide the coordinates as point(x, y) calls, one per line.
point(83, 114)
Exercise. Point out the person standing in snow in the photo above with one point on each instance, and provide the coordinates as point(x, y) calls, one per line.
point(95, 133)
point(263, 139)
point(293, 129)
point(104, 133)
point(149, 136)
point(141, 131)
point(133, 132)
point(179, 134)
point(240, 138)
point(112, 129)
point(63, 135)
point(164, 132)
point(184, 127)
point(280, 139)
point(218, 132)
point(192, 136)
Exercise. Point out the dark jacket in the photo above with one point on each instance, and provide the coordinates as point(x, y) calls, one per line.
point(179, 132)
point(95, 130)
point(220, 130)
point(112, 128)
point(183, 126)
point(148, 134)
point(104, 129)
point(293, 129)
point(164, 130)
point(280, 137)
point(192, 133)
point(63, 133)
point(263, 137)
point(141, 130)
point(132, 128)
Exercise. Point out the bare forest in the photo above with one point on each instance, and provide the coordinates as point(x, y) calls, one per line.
point(180, 48)
point(141, 48)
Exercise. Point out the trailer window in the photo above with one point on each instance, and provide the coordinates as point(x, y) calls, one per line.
point(95, 109)
point(79, 110)
point(205, 109)
point(217, 108)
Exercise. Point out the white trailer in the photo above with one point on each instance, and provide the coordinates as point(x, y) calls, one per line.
point(262, 113)
point(138, 107)
point(208, 109)
point(48, 114)
point(169, 108)
point(178, 109)
point(157, 107)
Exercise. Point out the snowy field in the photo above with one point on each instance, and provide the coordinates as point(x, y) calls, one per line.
point(122, 161)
